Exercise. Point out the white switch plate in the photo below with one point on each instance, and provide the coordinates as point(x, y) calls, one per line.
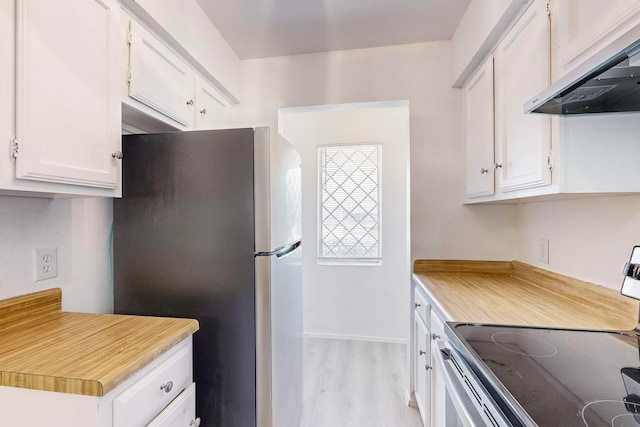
point(46, 261)
point(543, 250)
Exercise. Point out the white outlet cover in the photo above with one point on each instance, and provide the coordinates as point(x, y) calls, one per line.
point(543, 250)
point(46, 263)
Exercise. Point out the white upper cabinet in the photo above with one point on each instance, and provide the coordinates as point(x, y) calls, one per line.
point(212, 108)
point(163, 86)
point(583, 27)
point(541, 156)
point(68, 65)
point(158, 78)
point(479, 130)
point(522, 70)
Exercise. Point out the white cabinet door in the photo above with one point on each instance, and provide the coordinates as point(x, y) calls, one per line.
point(67, 91)
point(479, 126)
point(180, 413)
point(212, 108)
point(158, 78)
point(438, 384)
point(586, 26)
point(522, 70)
point(422, 369)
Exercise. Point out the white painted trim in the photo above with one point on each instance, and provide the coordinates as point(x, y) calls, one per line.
point(343, 107)
point(410, 397)
point(356, 338)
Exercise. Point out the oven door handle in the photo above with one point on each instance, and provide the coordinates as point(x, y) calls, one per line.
point(458, 397)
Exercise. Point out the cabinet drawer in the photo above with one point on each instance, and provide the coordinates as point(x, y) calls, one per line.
point(422, 307)
point(180, 413)
point(141, 402)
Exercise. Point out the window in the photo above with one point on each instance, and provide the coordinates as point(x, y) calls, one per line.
point(349, 204)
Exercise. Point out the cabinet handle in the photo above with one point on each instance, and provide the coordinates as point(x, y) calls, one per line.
point(484, 170)
point(435, 336)
point(167, 386)
point(195, 423)
point(422, 353)
point(427, 367)
point(497, 166)
point(190, 102)
point(117, 155)
point(203, 111)
point(418, 305)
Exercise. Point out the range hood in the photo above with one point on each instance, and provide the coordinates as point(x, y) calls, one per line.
point(609, 82)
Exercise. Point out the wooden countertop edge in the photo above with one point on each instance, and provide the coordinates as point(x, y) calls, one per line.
point(435, 302)
point(584, 295)
point(424, 266)
point(30, 305)
point(37, 310)
point(107, 386)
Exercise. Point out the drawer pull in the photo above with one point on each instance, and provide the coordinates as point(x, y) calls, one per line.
point(195, 423)
point(418, 305)
point(435, 336)
point(167, 386)
point(422, 352)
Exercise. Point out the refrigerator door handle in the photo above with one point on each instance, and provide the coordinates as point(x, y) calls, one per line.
point(281, 251)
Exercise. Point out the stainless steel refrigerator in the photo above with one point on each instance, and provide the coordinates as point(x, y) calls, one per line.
point(209, 228)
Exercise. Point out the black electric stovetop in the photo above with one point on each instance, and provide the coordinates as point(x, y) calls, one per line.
point(558, 377)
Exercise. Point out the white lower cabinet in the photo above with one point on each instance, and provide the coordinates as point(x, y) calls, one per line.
point(162, 394)
point(429, 388)
point(422, 359)
point(438, 384)
point(142, 401)
point(180, 413)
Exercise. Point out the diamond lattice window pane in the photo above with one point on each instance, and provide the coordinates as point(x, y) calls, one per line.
point(349, 201)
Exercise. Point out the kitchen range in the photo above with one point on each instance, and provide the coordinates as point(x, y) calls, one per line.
point(499, 375)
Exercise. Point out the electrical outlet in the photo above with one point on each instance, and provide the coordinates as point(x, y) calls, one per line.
point(543, 250)
point(46, 263)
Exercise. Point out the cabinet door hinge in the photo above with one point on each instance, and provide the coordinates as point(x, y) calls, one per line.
point(130, 35)
point(129, 77)
point(548, 8)
point(14, 149)
point(550, 161)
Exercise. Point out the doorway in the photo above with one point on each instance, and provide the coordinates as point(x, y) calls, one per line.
point(350, 299)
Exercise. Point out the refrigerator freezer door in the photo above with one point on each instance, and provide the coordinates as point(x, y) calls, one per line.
point(278, 192)
point(184, 247)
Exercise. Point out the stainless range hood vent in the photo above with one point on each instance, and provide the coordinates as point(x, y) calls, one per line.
point(612, 86)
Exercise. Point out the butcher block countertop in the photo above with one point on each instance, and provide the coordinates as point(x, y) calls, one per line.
point(44, 348)
point(515, 293)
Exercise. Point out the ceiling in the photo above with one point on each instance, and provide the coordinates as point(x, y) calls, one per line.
point(264, 28)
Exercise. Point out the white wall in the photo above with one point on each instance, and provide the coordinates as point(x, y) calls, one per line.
point(356, 301)
point(476, 26)
point(441, 227)
point(589, 239)
point(79, 228)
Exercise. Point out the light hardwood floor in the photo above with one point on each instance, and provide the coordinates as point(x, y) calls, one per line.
point(355, 384)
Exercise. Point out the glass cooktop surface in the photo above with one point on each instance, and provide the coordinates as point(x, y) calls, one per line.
point(559, 377)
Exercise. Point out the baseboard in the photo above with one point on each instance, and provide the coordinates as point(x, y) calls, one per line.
point(410, 398)
point(356, 338)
